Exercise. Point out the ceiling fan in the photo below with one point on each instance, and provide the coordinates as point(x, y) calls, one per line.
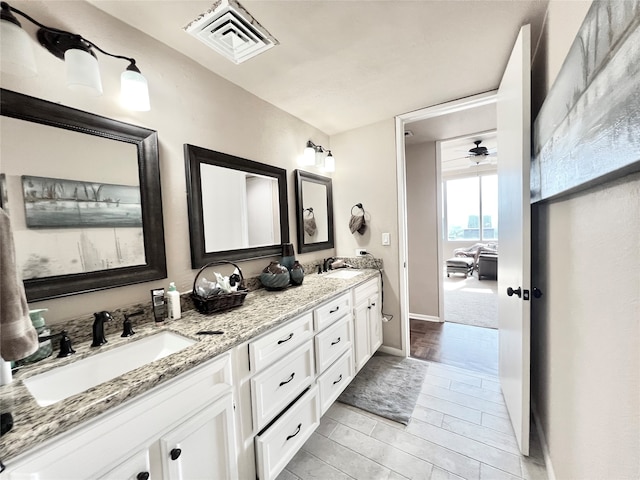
point(478, 151)
point(480, 154)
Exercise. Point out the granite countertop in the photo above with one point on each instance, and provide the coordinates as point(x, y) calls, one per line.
point(261, 311)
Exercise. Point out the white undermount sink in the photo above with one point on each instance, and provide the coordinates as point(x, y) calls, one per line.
point(344, 273)
point(59, 383)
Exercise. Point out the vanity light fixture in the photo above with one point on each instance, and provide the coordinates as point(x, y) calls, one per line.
point(78, 53)
point(313, 155)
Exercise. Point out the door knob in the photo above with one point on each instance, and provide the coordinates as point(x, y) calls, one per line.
point(511, 291)
point(537, 292)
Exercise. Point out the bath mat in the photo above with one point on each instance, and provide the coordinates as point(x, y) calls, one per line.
point(387, 386)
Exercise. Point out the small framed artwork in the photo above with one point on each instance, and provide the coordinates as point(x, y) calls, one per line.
point(63, 203)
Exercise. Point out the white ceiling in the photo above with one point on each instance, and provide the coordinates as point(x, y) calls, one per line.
point(345, 64)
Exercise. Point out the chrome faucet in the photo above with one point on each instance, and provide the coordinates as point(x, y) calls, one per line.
point(98, 328)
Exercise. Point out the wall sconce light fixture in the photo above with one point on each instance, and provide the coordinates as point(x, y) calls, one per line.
point(314, 155)
point(78, 54)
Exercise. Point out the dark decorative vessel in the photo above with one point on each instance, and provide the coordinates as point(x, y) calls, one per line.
point(297, 273)
point(288, 255)
point(275, 277)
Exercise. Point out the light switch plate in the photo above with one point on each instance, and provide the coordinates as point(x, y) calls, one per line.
point(386, 239)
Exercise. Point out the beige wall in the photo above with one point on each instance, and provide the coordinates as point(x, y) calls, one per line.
point(422, 235)
point(585, 329)
point(188, 105)
point(366, 173)
point(564, 18)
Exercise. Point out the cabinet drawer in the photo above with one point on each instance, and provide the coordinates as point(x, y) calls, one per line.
point(280, 384)
point(279, 342)
point(362, 292)
point(277, 446)
point(331, 311)
point(333, 342)
point(332, 382)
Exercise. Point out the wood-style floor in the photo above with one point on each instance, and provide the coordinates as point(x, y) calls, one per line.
point(464, 346)
point(459, 429)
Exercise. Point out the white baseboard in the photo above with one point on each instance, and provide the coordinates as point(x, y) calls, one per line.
point(426, 318)
point(391, 351)
point(543, 442)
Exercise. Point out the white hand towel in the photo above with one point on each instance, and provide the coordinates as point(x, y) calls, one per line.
point(18, 337)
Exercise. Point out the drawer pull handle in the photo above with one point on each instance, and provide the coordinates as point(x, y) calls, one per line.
point(338, 380)
point(337, 341)
point(142, 476)
point(287, 381)
point(335, 309)
point(175, 453)
point(286, 339)
point(294, 434)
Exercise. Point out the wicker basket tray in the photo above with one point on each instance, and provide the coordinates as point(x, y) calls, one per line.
point(222, 302)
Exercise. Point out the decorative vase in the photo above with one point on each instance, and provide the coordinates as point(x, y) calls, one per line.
point(275, 276)
point(288, 255)
point(297, 273)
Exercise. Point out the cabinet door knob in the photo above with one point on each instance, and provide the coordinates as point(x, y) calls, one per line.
point(142, 476)
point(335, 309)
point(338, 380)
point(337, 341)
point(175, 453)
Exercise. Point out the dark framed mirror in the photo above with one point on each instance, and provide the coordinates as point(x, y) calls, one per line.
point(314, 212)
point(83, 194)
point(238, 208)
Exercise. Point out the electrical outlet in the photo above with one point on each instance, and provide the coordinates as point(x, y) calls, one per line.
point(360, 252)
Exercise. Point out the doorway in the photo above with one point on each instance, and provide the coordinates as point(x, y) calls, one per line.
point(469, 182)
point(427, 334)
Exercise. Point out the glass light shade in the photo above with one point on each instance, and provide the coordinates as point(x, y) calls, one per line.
point(309, 156)
point(83, 73)
point(329, 163)
point(17, 53)
point(134, 91)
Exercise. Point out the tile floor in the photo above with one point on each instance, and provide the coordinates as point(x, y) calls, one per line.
point(459, 429)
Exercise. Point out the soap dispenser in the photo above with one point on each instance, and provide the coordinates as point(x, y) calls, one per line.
point(173, 302)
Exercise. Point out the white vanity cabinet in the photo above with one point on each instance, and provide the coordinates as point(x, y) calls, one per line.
point(289, 395)
point(367, 321)
point(193, 413)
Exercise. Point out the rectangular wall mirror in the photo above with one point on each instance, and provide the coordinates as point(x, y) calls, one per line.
point(314, 212)
point(237, 207)
point(83, 195)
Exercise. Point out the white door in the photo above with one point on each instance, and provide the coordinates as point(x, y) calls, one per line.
point(514, 265)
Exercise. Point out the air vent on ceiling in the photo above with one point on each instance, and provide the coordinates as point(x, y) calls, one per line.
point(230, 30)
